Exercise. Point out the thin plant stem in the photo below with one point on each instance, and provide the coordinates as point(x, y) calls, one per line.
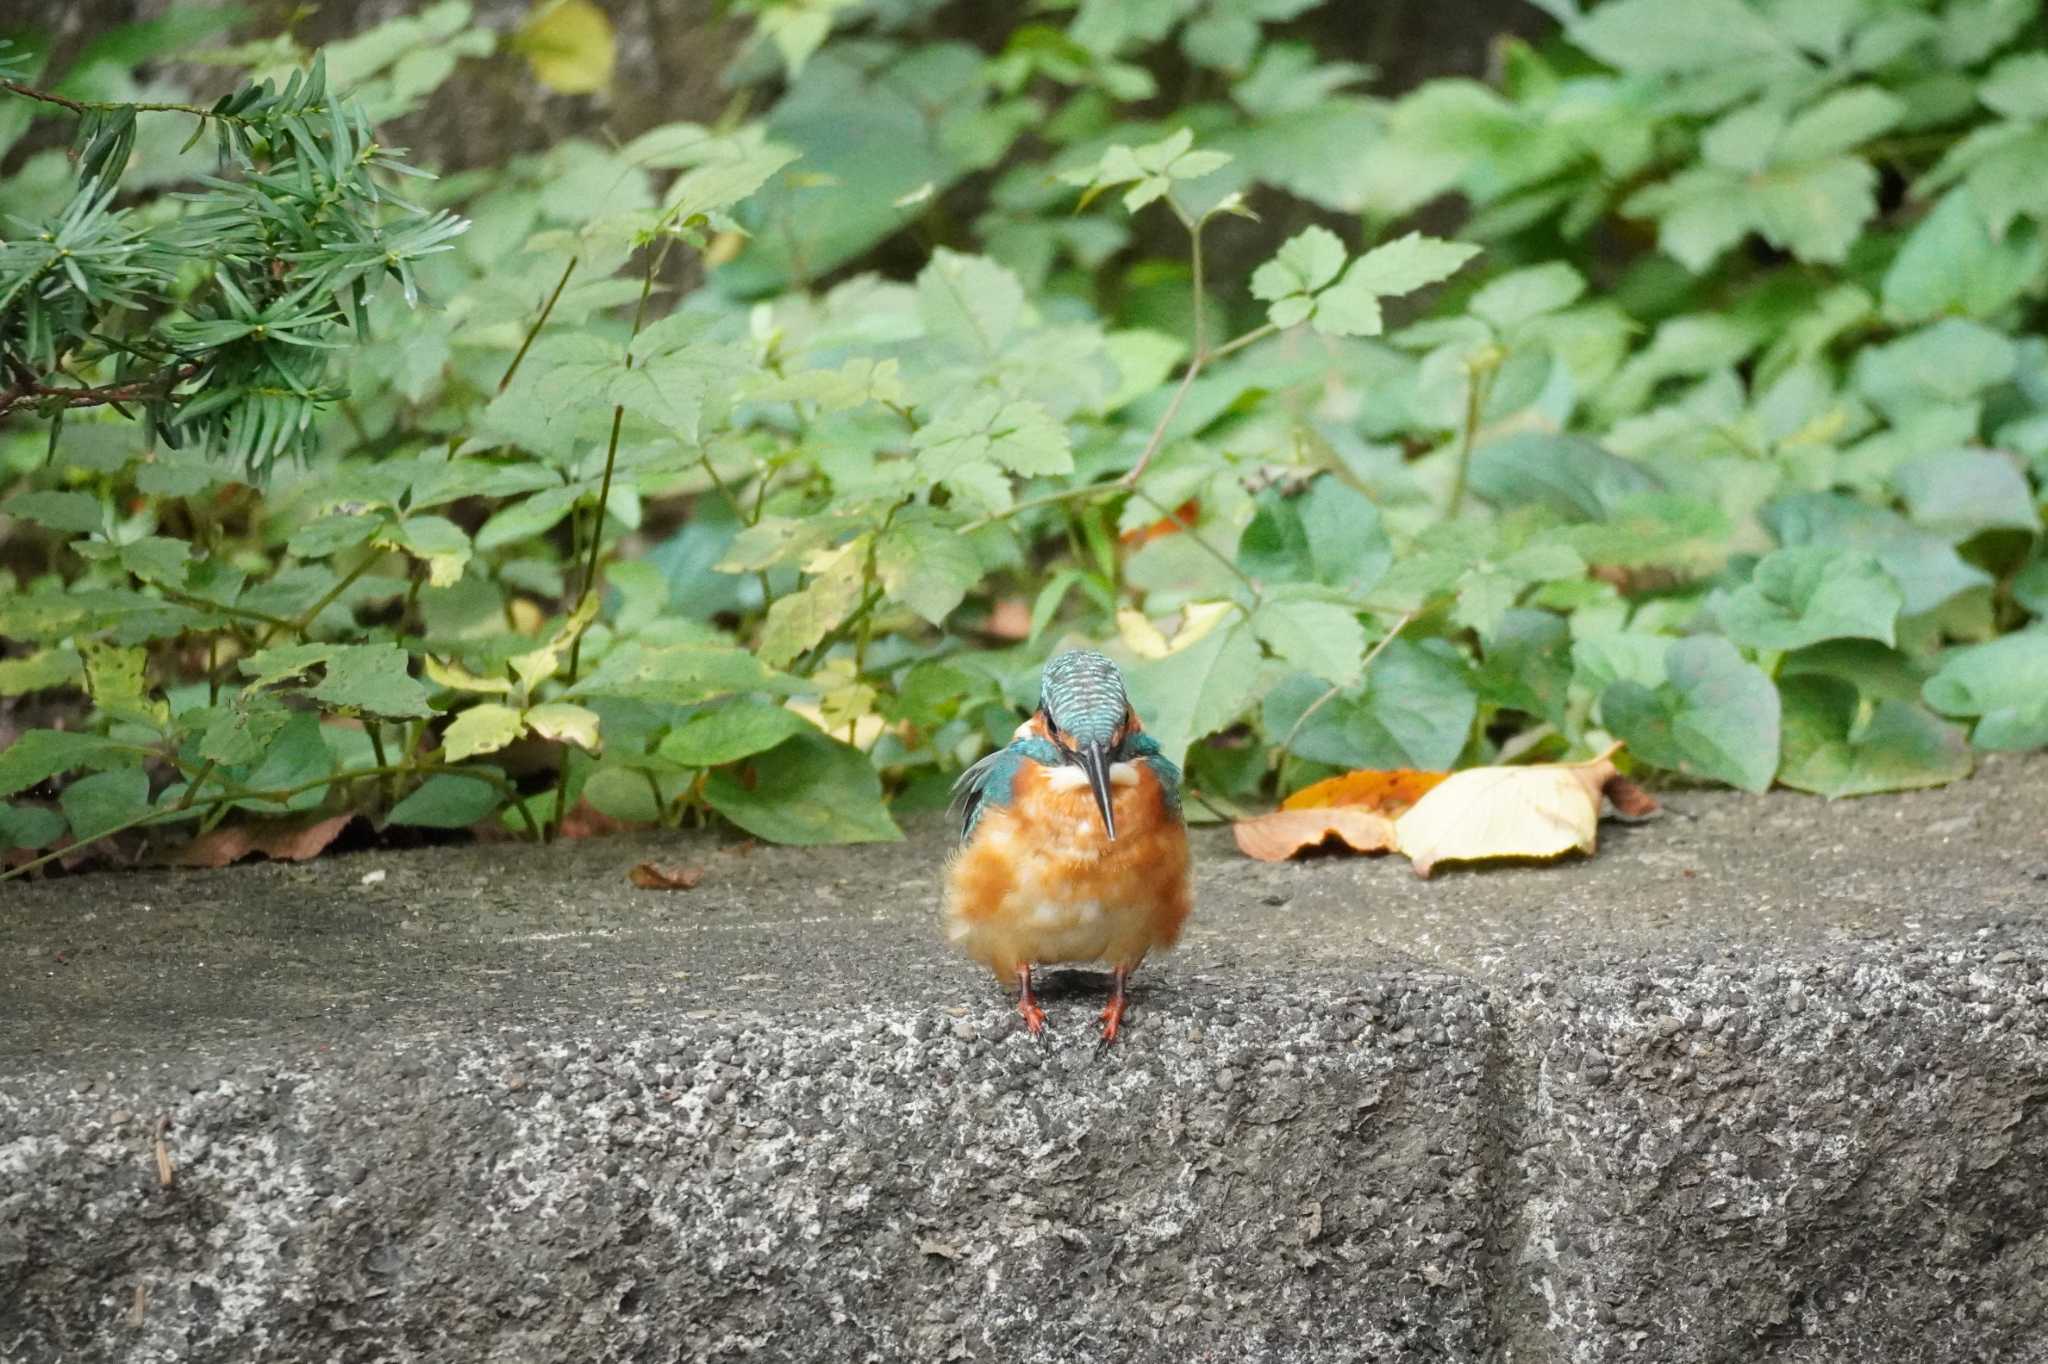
point(1479, 379)
point(531, 332)
point(1364, 666)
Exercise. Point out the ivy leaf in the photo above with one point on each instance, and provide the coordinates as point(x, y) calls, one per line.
point(483, 728)
point(104, 801)
point(807, 790)
point(736, 730)
point(1952, 265)
point(1415, 710)
point(1961, 492)
point(447, 800)
point(1714, 716)
point(2003, 685)
point(1810, 593)
point(1897, 748)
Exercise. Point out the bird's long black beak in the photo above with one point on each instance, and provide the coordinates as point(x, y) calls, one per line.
point(1095, 761)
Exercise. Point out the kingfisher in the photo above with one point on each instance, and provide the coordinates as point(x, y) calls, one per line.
point(1073, 848)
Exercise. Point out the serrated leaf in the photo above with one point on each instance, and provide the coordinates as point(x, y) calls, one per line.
point(483, 728)
point(1406, 264)
point(373, 679)
point(435, 541)
point(1319, 638)
point(325, 535)
point(1305, 263)
point(447, 800)
point(798, 620)
point(69, 513)
point(1810, 593)
point(40, 671)
point(807, 790)
point(969, 303)
point(926, 567)
point(682, 674)
point(1714, 716)
point(40, 754)
point(1571, 475)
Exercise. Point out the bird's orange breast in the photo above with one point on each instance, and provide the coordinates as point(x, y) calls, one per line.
point(1041, 882)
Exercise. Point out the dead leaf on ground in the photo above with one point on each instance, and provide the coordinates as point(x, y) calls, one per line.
point(293, 841)
point(1280, 835)
point(1387, 792)
point(585, 820)
point(665, 876)
point(1541, 810)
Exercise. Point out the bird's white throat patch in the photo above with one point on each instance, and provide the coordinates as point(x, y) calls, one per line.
point(1070, 778)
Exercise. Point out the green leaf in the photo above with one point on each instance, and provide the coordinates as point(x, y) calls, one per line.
point(1406, 264)
point(483, 728)
point(565, 722)
point(798, 620)
point(105, 801)
point(1198, 689)
point(1656, 36)
point(969, 304)
point(682, 674)
point(447, 800)
point(807, 790)
point(624, 793)
point(239, 733)
point(1319, 638)
point(40, 754)
point(297, 760)
point(1951, 264)
point(1305, 263)
point(928, 568)
point(1520, 295)
point(325, 535)
point(29, 826)
point(371, 678)
point(435, 541)
point(1714, 716)
point(70, 513)
point(1810, 593)
point(1960, 492)
point(1414, 710)
point(1571, 475)
point(529, 517)
point(1527, 664)
point(1840, 123)
point(40, 671)
point(2018, 86)
point(1951, 361)
point(2003, 684)
point(1897, 748)
point(736, 730)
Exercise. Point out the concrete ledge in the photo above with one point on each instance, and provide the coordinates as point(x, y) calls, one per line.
point(1766, 1080)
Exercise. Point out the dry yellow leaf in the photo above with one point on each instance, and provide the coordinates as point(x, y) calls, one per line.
point(570, 46)
point(1487, 812)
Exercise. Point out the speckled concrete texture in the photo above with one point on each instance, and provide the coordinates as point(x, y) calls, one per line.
point(1766, 1079)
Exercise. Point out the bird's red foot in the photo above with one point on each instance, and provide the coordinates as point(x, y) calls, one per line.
point(1027, 1003)
point(1112, 1015)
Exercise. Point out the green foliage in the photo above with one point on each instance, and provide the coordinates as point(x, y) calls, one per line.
point(622, 475)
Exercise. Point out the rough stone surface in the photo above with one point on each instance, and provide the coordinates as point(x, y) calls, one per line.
point(1766, 1079)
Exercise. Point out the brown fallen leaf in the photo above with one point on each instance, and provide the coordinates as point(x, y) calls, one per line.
point(291, 841)
point(1283, 833)
point(665, 876)
point(1387, 792)
point(1541, 810)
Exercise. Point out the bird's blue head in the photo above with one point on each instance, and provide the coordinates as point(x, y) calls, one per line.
point(1087, 716)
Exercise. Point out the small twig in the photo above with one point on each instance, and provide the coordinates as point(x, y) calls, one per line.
point(29, 390)
point(1479, 374)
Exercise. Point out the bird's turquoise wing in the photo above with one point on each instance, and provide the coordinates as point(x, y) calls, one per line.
point(993, 780)
point(1143, 748)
